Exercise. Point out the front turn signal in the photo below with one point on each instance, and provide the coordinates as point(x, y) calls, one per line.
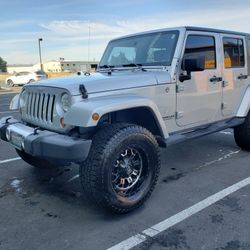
point(95, 117)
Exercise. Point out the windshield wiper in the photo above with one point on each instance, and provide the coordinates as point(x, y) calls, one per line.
point(106, 66)
point(138, 65)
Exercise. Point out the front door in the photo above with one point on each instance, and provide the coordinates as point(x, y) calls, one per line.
point(234, 73)
point(199, 99)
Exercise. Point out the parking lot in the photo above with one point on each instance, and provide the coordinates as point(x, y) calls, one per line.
point(45, 209)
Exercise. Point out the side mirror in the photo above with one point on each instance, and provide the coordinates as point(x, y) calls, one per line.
point(191, 64)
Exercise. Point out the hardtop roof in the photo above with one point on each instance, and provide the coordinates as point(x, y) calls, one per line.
point(216, 30)
point(191, 28)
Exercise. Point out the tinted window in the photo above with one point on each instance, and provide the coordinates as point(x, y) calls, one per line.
point(233, 52)
point(201, 46)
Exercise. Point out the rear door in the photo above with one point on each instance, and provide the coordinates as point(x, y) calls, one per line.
point(199, 99)
point(234, 72)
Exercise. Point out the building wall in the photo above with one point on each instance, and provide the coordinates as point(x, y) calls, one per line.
point(56, 66)
point(74, 66)
point(52, 66)
point(17, 69)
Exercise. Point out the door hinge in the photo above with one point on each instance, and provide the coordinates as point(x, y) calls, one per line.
point(224, 84)
point(179, 88)
point(179, 114)
point(223, 105)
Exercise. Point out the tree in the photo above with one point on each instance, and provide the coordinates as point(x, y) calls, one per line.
point(3, 65)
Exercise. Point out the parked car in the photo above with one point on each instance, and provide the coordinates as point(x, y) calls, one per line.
point(23, 78)
point(151, 90)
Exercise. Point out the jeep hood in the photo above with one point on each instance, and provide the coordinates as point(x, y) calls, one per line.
point(100, 82)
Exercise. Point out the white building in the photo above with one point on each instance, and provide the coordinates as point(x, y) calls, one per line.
point(16, 68)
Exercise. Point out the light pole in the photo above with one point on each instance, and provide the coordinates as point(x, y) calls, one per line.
point(40, 54)
point(89, 66)
point(88, 42)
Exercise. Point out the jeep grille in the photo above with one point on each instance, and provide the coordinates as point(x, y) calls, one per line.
point(40, 106)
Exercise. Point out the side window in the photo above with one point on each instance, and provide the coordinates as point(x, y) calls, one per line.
point(197, 45)
point(233, 52)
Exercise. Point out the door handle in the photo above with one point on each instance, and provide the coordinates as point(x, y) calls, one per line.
point(215, 79)
point(241, 77)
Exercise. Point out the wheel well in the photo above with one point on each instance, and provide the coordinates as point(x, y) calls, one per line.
point(141, 116)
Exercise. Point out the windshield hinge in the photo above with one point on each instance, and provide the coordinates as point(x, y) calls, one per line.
point(179, 88)
point(179, 114)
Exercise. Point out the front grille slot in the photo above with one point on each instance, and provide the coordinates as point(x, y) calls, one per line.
point(40, 106)
point(52, 108)
point(41, 111)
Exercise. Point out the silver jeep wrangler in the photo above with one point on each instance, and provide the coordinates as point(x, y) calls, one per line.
point(150, 90)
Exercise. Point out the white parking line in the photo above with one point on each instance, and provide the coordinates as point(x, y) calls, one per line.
point(9, 160)
point(181, 216)
point(219, 159)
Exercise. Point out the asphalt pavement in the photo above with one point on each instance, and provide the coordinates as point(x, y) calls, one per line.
point(46, 209)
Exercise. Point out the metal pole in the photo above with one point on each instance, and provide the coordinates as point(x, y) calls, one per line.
point(89, 48)
point(40, 54)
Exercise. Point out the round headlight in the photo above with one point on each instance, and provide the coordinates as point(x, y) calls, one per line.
point(65, 101)
point(23, 99)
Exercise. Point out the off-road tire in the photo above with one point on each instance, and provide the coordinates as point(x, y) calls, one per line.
point(242, 134)
point(96, 170)
point(35, 161)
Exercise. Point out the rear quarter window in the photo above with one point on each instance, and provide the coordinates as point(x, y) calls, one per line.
point(233, 52)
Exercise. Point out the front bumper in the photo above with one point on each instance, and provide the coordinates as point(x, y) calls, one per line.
point(43, 143)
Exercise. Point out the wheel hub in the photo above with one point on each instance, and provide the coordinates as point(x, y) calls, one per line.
point(127, 170)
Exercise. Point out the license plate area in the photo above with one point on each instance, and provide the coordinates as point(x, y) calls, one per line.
point(16, 140)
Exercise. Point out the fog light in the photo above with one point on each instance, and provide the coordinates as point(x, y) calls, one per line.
point(62, 124)
point(7, 134)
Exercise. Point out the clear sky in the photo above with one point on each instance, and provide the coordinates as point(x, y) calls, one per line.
point(64, 25)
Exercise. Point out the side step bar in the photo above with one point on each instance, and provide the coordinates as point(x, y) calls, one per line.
point(202, 131)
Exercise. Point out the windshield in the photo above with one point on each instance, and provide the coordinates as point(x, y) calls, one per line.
point(154, 49)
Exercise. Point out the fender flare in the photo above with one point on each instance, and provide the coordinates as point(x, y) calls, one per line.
point(80, 114)
point(245, 104)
